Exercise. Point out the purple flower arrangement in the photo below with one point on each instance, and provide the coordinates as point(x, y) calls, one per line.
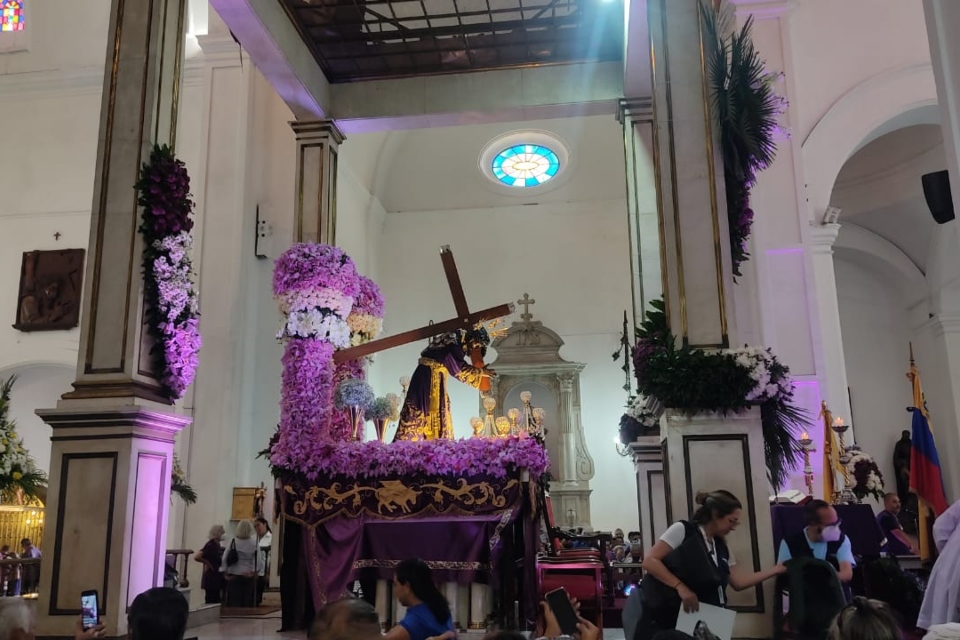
point(170, 296)
point(495, 457)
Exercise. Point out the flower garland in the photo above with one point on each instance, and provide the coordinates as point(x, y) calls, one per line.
point(495, 457)
point(170, 296)
point(747, 111)
point(315, 286)
point(868, 480)
point(725, 381)
point(20, 479)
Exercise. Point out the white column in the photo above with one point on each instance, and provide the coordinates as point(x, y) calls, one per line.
point(834, 373)
point(451, 591)
point(479, 606)
point(383, 604)
point(943, 19)
point(937, 351)
point(227, 216)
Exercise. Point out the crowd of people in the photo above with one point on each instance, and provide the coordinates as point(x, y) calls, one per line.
point(236, 575)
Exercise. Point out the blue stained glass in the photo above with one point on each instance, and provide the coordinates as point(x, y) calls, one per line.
point(525, 165)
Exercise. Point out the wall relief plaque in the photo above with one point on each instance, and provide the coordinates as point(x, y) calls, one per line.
point(50, 286)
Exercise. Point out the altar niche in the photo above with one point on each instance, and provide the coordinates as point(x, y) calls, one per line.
point(528, 359)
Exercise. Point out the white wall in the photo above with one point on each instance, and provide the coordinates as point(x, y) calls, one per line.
point(876, 337)
point(569, 259)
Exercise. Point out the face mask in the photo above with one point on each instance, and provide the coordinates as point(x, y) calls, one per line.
point(830, 534)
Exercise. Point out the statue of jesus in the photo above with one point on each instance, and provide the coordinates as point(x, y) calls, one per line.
point(426, 409)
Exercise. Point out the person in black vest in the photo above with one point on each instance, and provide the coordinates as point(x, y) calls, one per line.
point(691, 563)
point(821, 539)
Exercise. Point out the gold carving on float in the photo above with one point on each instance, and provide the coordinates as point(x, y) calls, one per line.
point(393, 496)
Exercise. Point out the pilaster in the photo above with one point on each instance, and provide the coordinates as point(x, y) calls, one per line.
point(318, 143)
point(654, 507)
point(141, 93)
point(833, 375)
point(699, 281)
point(647, 251)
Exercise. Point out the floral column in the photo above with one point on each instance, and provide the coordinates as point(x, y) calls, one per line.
point(315, 286)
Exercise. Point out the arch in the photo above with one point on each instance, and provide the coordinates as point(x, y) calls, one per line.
point(866, 111)
point(857, 241)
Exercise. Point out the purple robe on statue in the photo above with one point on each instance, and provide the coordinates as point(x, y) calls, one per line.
point(941, 602)
point(426, 409)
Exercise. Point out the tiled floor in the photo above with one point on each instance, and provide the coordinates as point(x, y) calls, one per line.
point(254, 629)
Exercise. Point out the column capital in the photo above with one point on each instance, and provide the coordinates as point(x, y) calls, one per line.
point(317, 129)
point(221, 51)
point(941, 324)
point(823, 237)
point(630, 110)
point(765, 9)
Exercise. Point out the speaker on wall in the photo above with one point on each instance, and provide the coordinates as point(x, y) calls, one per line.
point(936, 189)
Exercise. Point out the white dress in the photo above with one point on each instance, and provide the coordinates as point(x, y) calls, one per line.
point(941, 603)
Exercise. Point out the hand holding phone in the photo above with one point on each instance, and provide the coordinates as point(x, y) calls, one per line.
point(562, 609)
point(89, 609)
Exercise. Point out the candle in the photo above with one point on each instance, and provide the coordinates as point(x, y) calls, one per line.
point(804, 436)
point(838, 421)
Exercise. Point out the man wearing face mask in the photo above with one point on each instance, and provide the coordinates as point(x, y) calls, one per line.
point(821, 539)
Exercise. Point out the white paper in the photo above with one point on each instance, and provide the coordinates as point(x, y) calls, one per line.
point(717, 620)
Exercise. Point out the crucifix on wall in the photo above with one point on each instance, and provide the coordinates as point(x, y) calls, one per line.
point(464, 320)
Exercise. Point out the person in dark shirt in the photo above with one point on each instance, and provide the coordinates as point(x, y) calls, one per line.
point(898, 543)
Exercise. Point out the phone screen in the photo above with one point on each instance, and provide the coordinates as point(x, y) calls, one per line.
point(89, 609)
point(559, 603)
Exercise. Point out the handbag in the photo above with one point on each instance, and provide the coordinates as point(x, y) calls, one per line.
point(233, 556)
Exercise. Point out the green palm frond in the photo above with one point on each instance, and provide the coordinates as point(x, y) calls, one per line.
point(782, 423)
point(185, 491)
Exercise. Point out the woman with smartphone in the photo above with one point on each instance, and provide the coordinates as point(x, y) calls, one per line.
point(691, 563)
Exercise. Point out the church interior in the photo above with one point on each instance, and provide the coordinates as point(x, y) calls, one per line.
point(507, 286)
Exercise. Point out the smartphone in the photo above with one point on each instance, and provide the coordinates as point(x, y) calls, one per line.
point(563, 611)
point(90, 609)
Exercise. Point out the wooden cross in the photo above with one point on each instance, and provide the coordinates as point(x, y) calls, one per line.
point(464, 319)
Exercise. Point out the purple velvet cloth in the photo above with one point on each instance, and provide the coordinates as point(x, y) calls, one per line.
point(462, 549)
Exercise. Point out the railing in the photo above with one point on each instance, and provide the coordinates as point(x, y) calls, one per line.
point(19, 576)
point(181, 562)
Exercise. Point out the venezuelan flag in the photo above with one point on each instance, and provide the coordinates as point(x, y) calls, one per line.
point(925, 478)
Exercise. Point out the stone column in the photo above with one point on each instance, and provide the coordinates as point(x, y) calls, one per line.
point(698, 283)
point(654, 510)
point(646, 240)
point(113, 436)
point(834, 373)
point(318, 142)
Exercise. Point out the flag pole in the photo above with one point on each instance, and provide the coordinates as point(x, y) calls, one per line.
point(920, 404)
point(829, 476)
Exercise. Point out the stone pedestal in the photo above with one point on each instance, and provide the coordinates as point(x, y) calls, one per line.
point(318, 142)
point(110, 473)
point(707, 452)
point(651, 489)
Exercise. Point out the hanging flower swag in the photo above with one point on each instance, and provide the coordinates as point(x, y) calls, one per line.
point(170, 296)
point(747, 111)
point(731, 380)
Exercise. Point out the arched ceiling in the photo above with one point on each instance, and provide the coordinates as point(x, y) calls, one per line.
point(879, 188)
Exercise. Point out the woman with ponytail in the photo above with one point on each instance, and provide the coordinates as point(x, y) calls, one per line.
point(691, 563)
point(428, 613)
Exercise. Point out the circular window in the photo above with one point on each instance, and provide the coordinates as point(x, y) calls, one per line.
point(525, 165)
